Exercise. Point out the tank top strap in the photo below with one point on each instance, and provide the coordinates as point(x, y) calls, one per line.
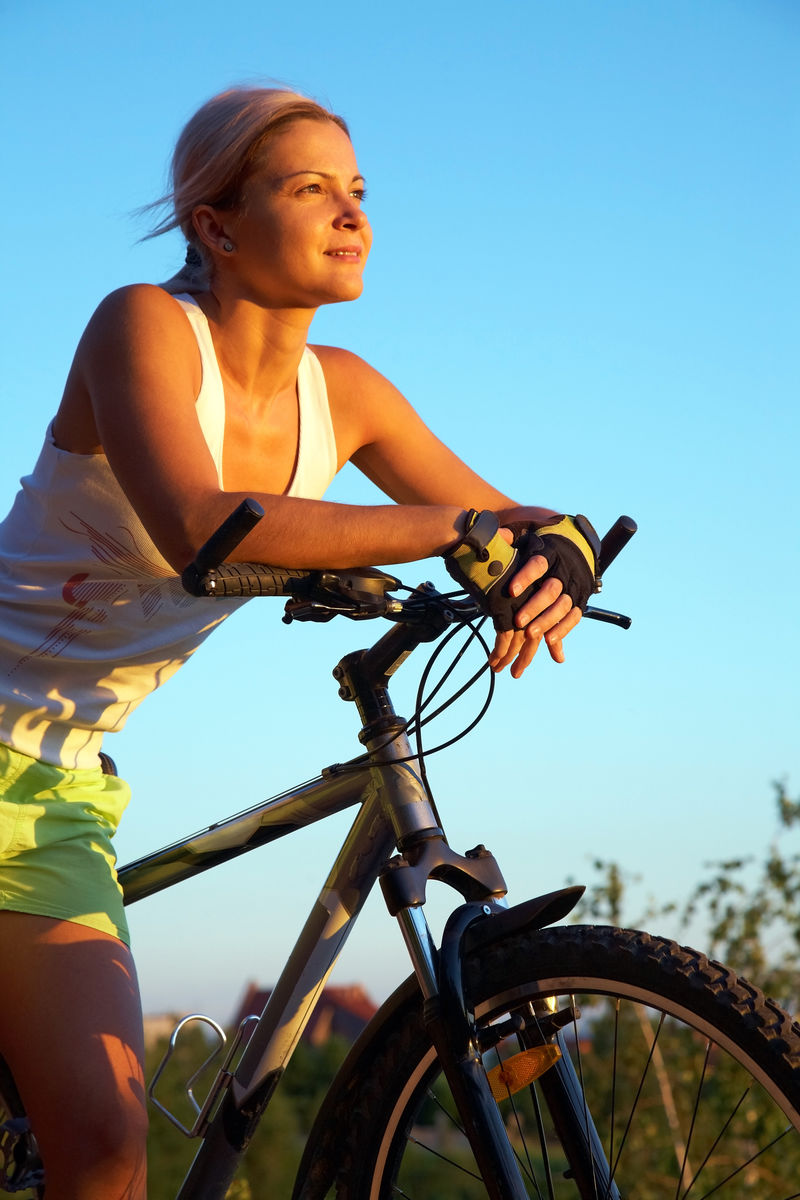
point(210, 402)
point(316, 453)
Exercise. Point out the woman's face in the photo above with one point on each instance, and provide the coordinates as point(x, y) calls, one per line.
point(301, 238)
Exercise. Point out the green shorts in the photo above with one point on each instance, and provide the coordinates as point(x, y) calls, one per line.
point(56, 858)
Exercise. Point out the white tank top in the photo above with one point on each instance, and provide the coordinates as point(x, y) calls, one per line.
point(92, 617)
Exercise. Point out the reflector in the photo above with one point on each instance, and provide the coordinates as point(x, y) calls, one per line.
point(520, 1070)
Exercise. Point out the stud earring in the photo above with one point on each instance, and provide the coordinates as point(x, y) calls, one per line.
point(227, 247)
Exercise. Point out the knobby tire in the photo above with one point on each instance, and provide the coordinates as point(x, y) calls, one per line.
point(691, 1075)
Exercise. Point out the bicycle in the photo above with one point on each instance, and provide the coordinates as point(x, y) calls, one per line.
point(636, 1067)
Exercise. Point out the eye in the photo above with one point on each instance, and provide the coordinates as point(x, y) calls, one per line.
point(311, 187)
point(360, 193)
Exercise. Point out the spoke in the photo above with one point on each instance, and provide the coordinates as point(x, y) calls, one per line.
point(454, 1121)
point(748, 1162)
point(527, 1165)
point(666, 1092)
point(614, 1079)
point(542, 1142)
point(443, 1158)
point(695, 1110)
point(637, 1097)
point(452, 1118)
point(717, 1140)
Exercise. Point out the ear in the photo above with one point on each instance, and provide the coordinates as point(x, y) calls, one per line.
point(210, 226)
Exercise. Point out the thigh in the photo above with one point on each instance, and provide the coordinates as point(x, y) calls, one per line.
point(70, 1025)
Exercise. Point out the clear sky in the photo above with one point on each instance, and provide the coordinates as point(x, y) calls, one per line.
point(585, 276)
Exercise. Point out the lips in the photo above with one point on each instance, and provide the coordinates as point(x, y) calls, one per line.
point(346, 252)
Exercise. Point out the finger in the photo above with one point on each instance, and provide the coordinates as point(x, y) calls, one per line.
point(525, 657)
point(556, 650)
point(554, 638)
point(499, 652)
point(559, 631)
point(544, 610)
point(528, 573)
point(506, 648)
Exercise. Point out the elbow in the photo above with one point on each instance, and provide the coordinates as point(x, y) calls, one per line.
point(178, 544)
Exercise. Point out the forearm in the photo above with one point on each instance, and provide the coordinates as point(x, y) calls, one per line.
point(295, 532)
point(518, 512)
point(315, 533)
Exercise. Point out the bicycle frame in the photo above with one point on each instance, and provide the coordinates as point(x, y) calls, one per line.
point(352, 876)
point(395, 812)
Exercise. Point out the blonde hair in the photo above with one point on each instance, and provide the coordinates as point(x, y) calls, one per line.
point(215, 155)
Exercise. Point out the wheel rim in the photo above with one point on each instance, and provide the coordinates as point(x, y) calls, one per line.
point(682, 1112)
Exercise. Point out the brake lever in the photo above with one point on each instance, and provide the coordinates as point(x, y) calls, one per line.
point(355, 610)
point(608, 617)
point(307, 610)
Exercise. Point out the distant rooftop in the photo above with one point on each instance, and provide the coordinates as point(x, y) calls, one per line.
point(340, 1012)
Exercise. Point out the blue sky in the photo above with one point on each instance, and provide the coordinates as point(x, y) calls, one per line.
point(585, 277)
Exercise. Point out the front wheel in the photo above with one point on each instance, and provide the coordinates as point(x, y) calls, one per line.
point(691, 1077)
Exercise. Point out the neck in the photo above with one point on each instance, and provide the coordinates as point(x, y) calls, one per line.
point(258, 349)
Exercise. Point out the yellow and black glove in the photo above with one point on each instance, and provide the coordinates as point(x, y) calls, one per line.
point(483, 563)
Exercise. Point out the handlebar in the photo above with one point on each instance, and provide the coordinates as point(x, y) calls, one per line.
point(615, 542)
point(358, 592)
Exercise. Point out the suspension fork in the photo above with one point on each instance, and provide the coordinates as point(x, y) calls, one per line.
point(455, 1037)
point(460, 1042)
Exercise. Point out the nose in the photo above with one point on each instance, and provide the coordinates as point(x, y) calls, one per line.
point(351, 215)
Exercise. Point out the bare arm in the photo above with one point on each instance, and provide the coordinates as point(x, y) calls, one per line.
point(139, 365)
point(138, 371)
point(379, 431)
point(382, 434)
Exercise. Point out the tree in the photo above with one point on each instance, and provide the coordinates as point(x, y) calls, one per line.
point(745, 913)
point(748, 912)
point(273, 1156)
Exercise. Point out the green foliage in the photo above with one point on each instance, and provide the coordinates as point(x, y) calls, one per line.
point(753, 910)
point(745, 913)
point(169, 1153)
point(747, 909)
point(683, 1096)
point(273, 1156)
point(274, 1153)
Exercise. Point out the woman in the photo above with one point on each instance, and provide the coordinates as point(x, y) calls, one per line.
point(182, 400)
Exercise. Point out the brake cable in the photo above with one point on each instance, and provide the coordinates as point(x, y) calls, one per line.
point(416, 721)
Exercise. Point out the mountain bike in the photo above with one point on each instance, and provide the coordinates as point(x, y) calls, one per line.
point(521, 1058)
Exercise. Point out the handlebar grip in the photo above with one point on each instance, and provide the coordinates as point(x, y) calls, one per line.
point(230, 533)
point(245, 579)
point(615, 541)
point(204, 573)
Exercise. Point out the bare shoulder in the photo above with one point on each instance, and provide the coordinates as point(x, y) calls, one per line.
point(138, 297)
point(139, 309)
point(342, 366)
point(137, 349)
point(366, 407)
point(351, 380)
point(139, 332)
